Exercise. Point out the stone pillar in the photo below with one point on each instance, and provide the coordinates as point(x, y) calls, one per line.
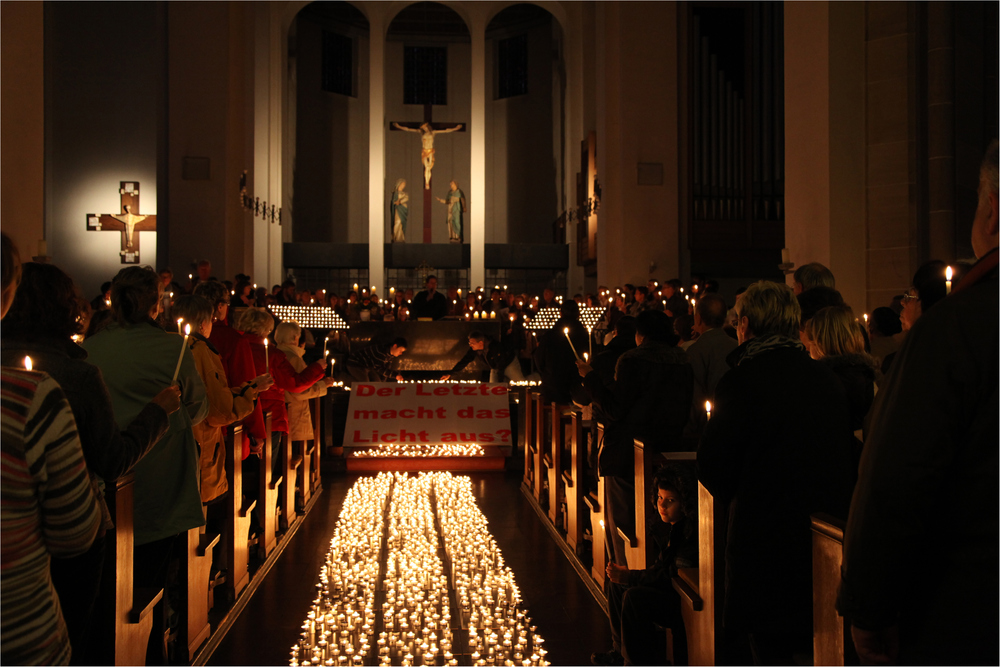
point(824, 149)
point(941, 130)
point(476, 235)
point(23, 117)
point(376, 154)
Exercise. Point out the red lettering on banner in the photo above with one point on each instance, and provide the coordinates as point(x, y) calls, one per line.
point(366, 390)
point(499, 391)
point(441, 391)
point(502, 414)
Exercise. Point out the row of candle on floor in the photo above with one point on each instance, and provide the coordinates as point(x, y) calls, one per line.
point(499, 632)
point(340, 625)
point(395, 450)
point(416, 616)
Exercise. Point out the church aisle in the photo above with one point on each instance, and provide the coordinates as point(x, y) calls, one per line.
point(562, 607)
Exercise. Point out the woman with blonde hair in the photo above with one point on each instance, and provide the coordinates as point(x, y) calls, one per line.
point(288, 338)
point(833, 337)
point(257, 324)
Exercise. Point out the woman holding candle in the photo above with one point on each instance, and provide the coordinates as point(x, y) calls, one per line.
point(42, 320)
point(226, 405)
point(257, 324)
point(288, 340)
point(137, 359)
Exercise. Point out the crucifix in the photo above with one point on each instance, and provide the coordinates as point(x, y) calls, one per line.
point(427, 129)
point(129, 222)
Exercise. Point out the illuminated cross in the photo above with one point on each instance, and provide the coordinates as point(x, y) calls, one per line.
point(129, 222)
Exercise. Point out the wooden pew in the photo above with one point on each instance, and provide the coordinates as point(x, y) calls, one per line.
point(559, 417)
point(197, 564)
point(832, 644)
point(268, 495)
point(525, 409)
point(638, 548)
point(237, 552)
point(573, 481)
point(539, 423)
point(126, 611)
point(702, 588)
point(291, 467)
point(595, 501)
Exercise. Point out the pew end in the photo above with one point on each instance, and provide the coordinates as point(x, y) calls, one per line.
point(832, 643)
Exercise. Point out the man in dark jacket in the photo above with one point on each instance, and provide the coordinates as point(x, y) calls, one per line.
point(375, 363)
point(931, 462)
point(429, 303)
point(496, 356)
point(649, 400)
point(775, 450)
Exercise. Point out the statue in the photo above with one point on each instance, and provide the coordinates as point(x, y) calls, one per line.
point(456, 208)
point(427, 141)
point(400, 211)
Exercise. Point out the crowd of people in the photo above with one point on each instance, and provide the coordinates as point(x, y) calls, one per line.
point(794, 401)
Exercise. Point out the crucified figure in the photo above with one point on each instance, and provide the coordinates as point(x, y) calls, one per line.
point(427, 142)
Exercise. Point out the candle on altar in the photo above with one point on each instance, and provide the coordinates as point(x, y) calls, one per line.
point(267, 362)
point(572, 347)
point(708, 410)
point(475, 315)
point(493, 315)
point(948, 273)
point(187, 332)
point(27, 363)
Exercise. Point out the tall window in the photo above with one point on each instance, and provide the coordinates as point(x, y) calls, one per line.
point(425, 75)
point(338, 64)
point(512, 66)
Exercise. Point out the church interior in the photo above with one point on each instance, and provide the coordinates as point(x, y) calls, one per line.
point(436, 199)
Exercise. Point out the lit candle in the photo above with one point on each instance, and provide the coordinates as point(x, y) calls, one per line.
point(324, 345)
point(267, 362)
point(572, 347)
point(866, 318)
point(27, 363)
point(708, 410)
point(586, 357)
point(187, 332)
point(373, 289)
point(948, 273)
point(493, 315)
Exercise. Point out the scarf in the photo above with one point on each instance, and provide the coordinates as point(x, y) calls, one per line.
point(761, 344)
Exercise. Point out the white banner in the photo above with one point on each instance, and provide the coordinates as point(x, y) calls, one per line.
point(427, 413)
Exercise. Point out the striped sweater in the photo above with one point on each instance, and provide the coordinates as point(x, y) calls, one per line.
point(47, 508)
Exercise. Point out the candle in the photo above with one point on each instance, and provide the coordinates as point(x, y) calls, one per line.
point(267, 362)
point(27, 363)
point(373, 289)
point(866, 318)
point(493, 315)
point(187, 332)
point(708, 410)
point(586, 357)
point(566, 333)
point(355, 287)
point(948, 273)
point(324, 345)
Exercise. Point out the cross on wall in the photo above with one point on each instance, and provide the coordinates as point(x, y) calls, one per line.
point(129, 222)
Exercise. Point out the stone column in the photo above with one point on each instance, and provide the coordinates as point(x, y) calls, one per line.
point(376, 154)
point(476, 235)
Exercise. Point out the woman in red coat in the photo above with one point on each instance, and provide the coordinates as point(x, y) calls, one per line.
point(257, 324)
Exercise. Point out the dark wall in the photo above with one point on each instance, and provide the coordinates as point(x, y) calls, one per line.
point(104, 81)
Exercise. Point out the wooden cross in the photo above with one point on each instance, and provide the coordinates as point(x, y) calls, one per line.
point(437, 128)
point(129, 222)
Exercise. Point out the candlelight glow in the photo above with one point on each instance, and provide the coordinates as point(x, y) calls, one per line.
point(411, 519)
point(27, 363)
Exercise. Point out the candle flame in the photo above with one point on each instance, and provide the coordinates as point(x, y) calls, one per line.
point(586, 357)
point(708, 406)
point(948, 273)
point(566, 331)
point(187, 329)
point(27, 363)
